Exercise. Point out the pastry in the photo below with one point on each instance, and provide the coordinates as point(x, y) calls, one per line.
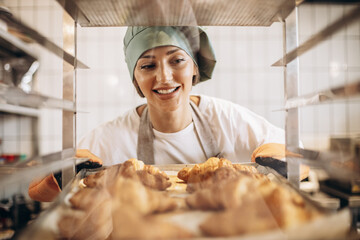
point(223, 174)
point(149, 175)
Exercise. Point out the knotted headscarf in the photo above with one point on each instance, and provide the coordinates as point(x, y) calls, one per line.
point(193, 40)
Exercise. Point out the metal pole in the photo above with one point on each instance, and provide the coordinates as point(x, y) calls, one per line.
point(291, 82)
point(68, 136)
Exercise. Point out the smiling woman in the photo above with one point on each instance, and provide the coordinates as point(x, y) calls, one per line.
point(165, 75)
point(175, 127)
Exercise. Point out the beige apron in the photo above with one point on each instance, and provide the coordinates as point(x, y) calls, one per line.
point(145, 146)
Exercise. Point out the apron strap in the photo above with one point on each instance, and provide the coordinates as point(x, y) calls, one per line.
point(145, 145)
point(203, 130)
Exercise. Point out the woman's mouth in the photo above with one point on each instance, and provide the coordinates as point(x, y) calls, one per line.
point(166, 91)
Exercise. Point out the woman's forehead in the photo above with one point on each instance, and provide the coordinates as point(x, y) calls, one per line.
point(168, 50)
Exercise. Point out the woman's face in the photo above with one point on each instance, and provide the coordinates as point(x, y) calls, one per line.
point(164, 75)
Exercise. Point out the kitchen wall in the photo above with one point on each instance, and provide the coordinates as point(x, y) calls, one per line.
point(243, 73)
point(46, 17)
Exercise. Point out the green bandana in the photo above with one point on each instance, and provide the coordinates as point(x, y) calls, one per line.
point(193, 40)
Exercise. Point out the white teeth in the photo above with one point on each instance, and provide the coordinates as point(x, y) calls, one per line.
point(166, 91)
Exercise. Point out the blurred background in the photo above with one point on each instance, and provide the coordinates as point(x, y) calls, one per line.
point(243, 75)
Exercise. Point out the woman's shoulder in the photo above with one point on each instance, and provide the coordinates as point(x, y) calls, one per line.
point(126, 121)
point(218, 105)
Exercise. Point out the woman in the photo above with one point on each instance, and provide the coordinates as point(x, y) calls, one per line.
point(175, 127)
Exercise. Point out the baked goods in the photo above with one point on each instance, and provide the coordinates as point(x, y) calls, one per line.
point(202, 171)
point(132, 225)
point(253, 217)
point(101, 205)
point(92, 220)
point(276, 208)
point(272, 204)
point(223, 174)
point(132, 194)
point(234, 200)
point(149, 175)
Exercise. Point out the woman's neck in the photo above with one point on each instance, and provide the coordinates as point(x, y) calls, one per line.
point(173, 121)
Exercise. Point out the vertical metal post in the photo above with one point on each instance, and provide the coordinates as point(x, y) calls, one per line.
point(291, 82)
point(69, 74)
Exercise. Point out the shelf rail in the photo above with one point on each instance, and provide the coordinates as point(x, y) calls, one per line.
point(28, 32)
point(16, 96)
point(16, 178)
point(319, 37)
point(338, 93)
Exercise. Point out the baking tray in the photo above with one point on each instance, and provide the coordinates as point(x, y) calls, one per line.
point(331, 225)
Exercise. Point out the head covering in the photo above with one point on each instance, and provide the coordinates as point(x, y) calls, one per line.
point(193, 40)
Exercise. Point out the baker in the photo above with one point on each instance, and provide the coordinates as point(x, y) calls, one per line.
point(175, 126)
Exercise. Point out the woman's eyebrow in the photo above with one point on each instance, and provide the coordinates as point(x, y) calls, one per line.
point(148, 56)
point(172, 51)
point(167, 53)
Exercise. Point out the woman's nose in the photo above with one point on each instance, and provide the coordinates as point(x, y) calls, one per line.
point(164, 73)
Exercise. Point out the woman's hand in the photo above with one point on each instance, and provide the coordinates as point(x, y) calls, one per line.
point(85, 153)
point(273, 155)
point(46, 189)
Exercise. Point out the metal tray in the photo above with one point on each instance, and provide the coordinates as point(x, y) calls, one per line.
point(332, 225)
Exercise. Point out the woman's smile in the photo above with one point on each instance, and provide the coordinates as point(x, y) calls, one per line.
point(164, 75)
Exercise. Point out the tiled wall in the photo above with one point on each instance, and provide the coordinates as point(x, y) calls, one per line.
point(332, 63)
point(243, 73)
point(46, 17)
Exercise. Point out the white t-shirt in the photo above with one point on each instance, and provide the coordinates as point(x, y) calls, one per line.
point(237, 131)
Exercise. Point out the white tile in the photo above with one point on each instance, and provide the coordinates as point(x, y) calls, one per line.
point(10, 147)
point(354, 117)
point(306, 118)
point(339, 118)
point(353, 53)
point(26, 128)
point(11, 127)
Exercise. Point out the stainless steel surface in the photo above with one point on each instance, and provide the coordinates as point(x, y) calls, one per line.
point(333, 163)
point(16, 96)
point(331, 29)
point(46, 225)
point(8, 108)
point(15, 47)
point(102, 13)
point(69, 81)
point(291, 82)
point(16, 178)
point(353, 200)
point(338, 93)
point(27, 31)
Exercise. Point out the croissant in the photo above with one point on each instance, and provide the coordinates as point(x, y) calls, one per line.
point(132, 225)
point(202, 171)
point(222, 174)
point(149, 175)
point(133, 194)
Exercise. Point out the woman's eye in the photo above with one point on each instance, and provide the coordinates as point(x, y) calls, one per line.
point(147, 66)
point(179, 60)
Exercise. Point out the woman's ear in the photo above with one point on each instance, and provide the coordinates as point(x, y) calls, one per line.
point(196, 70)
point(138, 88)
point(196, 75)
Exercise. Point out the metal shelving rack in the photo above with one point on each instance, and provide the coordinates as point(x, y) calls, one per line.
point(15, 102)
point(105, 13)
point(292, 50)
point(96, 13)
